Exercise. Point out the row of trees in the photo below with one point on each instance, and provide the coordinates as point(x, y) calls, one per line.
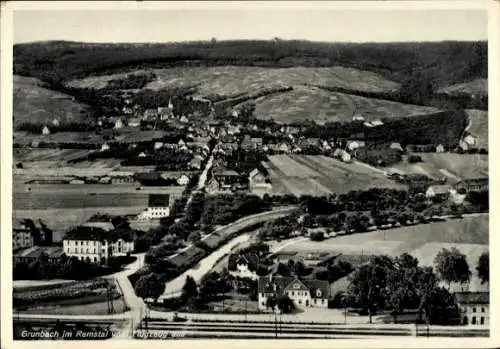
point(400, 284)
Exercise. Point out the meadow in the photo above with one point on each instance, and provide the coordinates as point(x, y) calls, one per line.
point(470, 235)
point(36, 104)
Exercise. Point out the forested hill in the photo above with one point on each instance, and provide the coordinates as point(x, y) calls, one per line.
point(441, 63)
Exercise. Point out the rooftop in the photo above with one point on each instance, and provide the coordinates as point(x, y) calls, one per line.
point(36, 251)
point(473, 297)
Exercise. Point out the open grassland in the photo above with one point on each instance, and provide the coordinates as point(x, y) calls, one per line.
point(470, 235)
point(478, 126)
point(471, 230)
point(452, 166)
point(233, 80)
point(321, 175)
point(476, 86)
point(305, 102)
point(36, 104)
point(98, 308)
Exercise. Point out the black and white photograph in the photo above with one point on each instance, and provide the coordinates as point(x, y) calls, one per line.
point(235, 171)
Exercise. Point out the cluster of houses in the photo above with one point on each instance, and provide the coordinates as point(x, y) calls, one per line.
point(447, 191)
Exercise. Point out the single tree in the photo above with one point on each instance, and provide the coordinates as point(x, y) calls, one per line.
point(483, 267)
point(451, 266)
point(190, 288)
point(150, 286)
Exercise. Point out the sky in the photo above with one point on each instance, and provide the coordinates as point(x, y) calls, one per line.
point(315, 24)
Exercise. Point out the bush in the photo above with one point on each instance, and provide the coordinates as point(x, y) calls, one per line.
point(414, 158)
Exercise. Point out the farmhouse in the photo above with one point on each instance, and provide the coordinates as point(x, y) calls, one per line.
point(474, 307)
point(21, 236)
point(303, 293)
point(158, 207)
point(354, 144)
point(45, 130)
point(94, 244)
point(226, 177)
point(244, 266)
point(396, 146)
point(258, 183)
point(475, 184)
point(438, 192)
point(31, 254)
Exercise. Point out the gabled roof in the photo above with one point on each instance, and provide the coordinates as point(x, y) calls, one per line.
point(318, 285)
point(440, 189)
point(226, 173)
point(472, 297)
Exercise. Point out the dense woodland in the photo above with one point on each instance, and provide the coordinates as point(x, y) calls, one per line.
point(441, 63)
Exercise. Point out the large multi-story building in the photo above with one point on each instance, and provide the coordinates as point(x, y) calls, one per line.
point(474, 308)
point(303, 293)
point(158, 207)
point(22, 236)
point(94, 244)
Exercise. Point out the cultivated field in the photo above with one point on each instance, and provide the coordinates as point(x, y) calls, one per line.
point(43, 155)
point(233, 80)
point(321, 175)
point(36, 104)
point(320, 105)
point(450, 165)
point(478, 126)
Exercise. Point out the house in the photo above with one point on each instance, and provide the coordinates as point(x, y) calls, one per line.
point(45, 131)
point(233, 130)
point(195, 163)
point(213, 186)
point(353, 145)
point(55, 122)
point(337, 153)
point(474, 184)
point(470, 140)
point(303, 293)
point(358, 117)
point(158, 207)
point(440, 148)
point(283, 147)
point(377, 123)
point(30, 255)
point(259, 183)
point(142, 155)
point(244, 266)
point(183, 180)
point(474, 308)
point(396, 146)
point(226, 178)
point(235, 114)
point(463, 145)
point(118, 124)
point(345, 156)
point(438, 191)
point(134, 122)
point(22, 236)
point(96, 242)
point(368, 124)
point(158, 145)
point(105, 147)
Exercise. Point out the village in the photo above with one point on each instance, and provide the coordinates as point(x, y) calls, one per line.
point(196, 177)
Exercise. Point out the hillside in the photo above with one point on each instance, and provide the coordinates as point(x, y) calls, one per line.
point(478, 126)
point(443, 63)
point(36, 104)
point(234, 80)
point(474, 87)
point(323, 106)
